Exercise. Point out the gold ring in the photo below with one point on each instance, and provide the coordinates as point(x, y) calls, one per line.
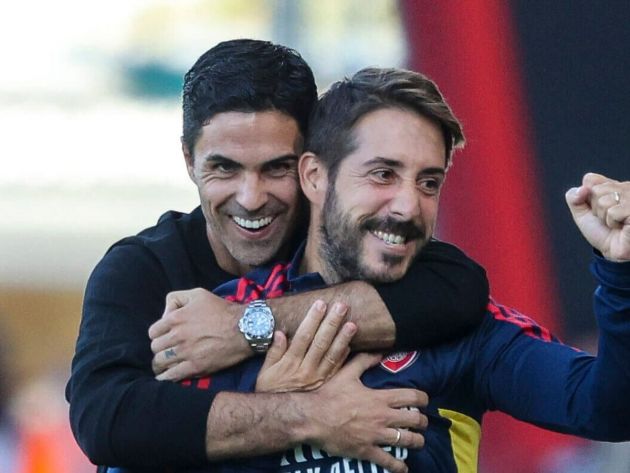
point(398, 435)
point(617, 197)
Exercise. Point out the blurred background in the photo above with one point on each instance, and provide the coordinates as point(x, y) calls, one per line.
point(90, 119)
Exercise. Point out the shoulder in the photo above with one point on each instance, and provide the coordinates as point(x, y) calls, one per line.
point(504, 317)
point(171, 227)
point(161, 251)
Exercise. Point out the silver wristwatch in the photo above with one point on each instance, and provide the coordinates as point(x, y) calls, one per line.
point(257, 325)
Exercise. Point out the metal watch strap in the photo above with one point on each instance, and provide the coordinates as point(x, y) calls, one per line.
point(258, 303)
point(259, 346)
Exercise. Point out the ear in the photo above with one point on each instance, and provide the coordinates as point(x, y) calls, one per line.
point(313, 178)
point(190, 160)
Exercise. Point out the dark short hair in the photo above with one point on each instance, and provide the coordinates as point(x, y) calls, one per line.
point(331, 127)
point(246, 75)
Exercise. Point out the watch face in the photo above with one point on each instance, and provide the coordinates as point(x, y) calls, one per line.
point(258, 323)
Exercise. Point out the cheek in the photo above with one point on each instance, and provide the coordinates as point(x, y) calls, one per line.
point(215, 194)
point(365, 204)
point(430, 212)
point(288, 192)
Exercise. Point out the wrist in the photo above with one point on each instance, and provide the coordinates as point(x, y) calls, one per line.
point(305, 426)
point(235, 312)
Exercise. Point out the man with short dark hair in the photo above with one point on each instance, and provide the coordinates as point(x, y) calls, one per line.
point(245, 109)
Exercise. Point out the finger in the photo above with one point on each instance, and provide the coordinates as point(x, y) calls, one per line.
point(604, 187)
point(592, 179)
point(338, 351)
point(408, 439)
point(177, 372)
point(360, 363)
point(325, 335)
point(164, 324)
point(619, 213)
point(159, 328)
point(616, 216)
point(406, 398)
point(174, 300)
point(604, 202)
point(164, 359)
point(276, 351)
point(163, 342)
point(410, 418)
point(602, 196)
point(336, 368)
point(305, 333)
point(380, 457)
point(577, 197)
point(157, 366)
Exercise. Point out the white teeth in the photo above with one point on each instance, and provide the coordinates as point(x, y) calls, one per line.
point(254, 224)
point(389, 238)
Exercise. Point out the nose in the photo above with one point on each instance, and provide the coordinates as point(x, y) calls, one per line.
point(405, 203)
point(252, 193)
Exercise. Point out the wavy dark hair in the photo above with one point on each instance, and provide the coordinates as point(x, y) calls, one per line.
point(246, 75)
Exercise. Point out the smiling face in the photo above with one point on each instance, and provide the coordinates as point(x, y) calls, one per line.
point(244, 167)
point(382, 207)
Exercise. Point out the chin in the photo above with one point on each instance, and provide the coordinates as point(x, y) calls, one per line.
point(384, 273)
point(262, 253)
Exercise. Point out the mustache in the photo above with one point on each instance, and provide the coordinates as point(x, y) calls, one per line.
point(406, 228)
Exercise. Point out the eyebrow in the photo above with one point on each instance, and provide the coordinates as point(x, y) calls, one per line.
point(219, 158)
point(394, 163)
point(281, 159)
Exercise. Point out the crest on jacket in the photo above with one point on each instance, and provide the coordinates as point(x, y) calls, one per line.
point(398, 361)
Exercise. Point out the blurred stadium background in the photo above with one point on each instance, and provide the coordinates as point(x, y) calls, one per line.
point(90, 119)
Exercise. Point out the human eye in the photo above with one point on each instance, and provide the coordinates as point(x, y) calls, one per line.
point(430, 185)
point(223, 168)
point(280, 168)
point(382, 175)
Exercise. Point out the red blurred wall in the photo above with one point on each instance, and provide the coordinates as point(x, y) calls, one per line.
point(491, 204)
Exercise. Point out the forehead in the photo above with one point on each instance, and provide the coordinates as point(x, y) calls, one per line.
point(249, 137)
point(399, 134)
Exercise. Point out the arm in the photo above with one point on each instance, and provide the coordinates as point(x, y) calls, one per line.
point(443, 295)
point(338, 417)
point(122, 416)
point(541, 381)
point(577, 393)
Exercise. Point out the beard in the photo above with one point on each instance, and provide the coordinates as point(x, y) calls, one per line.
point(341, 245)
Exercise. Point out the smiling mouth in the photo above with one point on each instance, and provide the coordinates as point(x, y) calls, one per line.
point(255, 224)
point(389, 238)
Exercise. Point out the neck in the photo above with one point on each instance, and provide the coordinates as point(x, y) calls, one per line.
point(225, 260)
point(313, 260)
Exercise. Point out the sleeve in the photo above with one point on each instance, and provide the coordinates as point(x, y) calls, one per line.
point(443, 296)
point(120, 414)
point(526, 373)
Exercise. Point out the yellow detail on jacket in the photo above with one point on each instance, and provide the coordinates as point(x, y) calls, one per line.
point(465, 435)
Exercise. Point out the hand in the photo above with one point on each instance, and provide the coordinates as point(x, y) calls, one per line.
point(604, 222)
point(348, 419)
point(317, 351)
point(197, 335)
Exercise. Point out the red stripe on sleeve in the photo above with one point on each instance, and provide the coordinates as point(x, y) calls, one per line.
point(526, 324)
